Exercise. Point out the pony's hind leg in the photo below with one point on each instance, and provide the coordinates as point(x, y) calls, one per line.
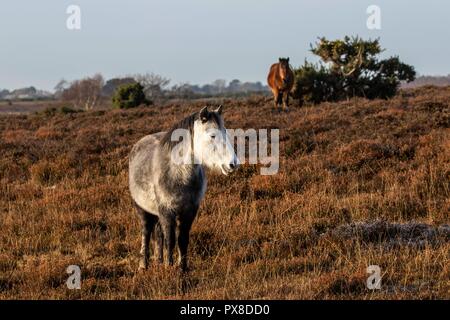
point(158, 243)
point(148, 223)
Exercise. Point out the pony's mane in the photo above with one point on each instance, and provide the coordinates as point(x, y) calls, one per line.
point(188, 124)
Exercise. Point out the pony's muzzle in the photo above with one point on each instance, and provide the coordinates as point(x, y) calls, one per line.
point(231, 167)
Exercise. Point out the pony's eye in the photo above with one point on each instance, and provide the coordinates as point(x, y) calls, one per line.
point(213, 136)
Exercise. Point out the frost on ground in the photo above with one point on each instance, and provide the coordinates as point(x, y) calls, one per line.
point(394, 234)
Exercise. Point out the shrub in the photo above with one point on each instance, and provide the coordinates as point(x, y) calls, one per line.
point(350, 68)
point(68, 110)
point(53, 111)
point(129, 96)
point(313, 84)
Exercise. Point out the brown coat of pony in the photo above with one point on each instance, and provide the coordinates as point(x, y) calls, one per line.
point(281, 82)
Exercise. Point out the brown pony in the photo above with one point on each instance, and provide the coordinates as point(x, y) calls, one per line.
point(281, 81)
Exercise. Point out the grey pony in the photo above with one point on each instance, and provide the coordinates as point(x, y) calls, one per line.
point(167, 195)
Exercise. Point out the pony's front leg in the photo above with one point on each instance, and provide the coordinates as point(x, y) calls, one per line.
point(279, 100)
point(158, 244)
point(184, 228)
point(168, 226)
point(148, 223)
point(276, 98)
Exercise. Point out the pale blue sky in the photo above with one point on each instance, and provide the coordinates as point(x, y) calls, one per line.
point(198, 41)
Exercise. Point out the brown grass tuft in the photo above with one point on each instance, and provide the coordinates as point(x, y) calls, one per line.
point(360, 183)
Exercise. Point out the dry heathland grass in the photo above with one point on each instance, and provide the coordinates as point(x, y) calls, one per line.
point(360, 183)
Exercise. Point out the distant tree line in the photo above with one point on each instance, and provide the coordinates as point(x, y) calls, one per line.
point(24, 94)
point(220, 87)
point(125, 92)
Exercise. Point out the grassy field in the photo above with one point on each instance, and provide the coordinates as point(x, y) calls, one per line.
point(20, 107)
point(361, 183)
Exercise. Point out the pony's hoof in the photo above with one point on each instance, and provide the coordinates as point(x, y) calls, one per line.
point(184, 268)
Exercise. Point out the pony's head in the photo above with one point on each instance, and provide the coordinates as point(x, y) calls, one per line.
point(212, 146)
point(284, 67)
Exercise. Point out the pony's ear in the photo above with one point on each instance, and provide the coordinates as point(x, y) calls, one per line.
point(219, 109)
point(287, 59)
point(279, 59)
point(204, 114)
